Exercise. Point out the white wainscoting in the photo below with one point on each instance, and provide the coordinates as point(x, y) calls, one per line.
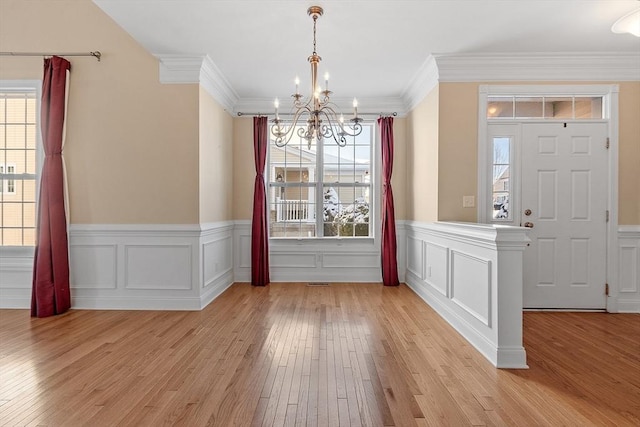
point(16, 275)
point(628, 292)
point(471, 274)
point(136, 267)
point(313, 260)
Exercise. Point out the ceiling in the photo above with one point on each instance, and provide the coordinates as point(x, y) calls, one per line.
point(372, 49)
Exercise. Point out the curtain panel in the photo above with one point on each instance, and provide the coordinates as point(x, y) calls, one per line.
point(259, 224)
point(389, 244)
point(50, 293)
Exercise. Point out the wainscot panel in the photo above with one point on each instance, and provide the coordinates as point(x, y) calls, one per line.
point(627, 297)
point(314, 260)
point(135, 267)
point(16, 274)
point(471, 274)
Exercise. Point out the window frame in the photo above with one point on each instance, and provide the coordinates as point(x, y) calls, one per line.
point(4, 187)
point(21, 86)
point(319, 184)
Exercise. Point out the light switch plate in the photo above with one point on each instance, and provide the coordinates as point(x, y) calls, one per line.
point(468, 201)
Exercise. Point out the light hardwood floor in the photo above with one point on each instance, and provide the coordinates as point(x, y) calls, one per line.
point(291, 354)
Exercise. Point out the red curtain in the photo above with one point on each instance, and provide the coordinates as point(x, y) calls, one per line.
point(259, 237)
point(50, 292)
point(389, 245)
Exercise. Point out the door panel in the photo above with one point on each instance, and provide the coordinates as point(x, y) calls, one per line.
point(564, 184)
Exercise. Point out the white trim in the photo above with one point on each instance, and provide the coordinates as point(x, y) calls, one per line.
point(498, 334)
point(186, 69)
point(609, 92)
point(135, 266)
point(627, 297)
point(629, 231)
point(565, 66)
point(423, 82)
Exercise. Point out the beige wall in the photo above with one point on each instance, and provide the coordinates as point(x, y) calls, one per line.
point(455, 118)
point(216, 161)
point(629, 152)
point(132, 143)
point(399, 176)
point(244, 170)
point(421, 198)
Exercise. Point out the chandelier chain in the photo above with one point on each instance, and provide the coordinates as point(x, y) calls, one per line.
point(315, 19)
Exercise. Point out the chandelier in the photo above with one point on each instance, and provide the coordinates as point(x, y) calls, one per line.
point(321, 115)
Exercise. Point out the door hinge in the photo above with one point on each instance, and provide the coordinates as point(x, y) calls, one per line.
point(607, 143)
point(606, 289)
point(607, 215)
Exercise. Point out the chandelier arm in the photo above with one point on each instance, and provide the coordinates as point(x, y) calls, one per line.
point(338, 137)
point(283, 132)
point(353, 130)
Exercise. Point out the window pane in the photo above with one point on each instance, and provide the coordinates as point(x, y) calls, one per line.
point(501, 183)
point(558, 108)
point(16, 109)
point(12, 237)
point(588, 107)
point(529, 107)
point(30, 136)
point(12, 215)
point(500, 107)
point(29, 237)
point(501, 150)
point(15, 137)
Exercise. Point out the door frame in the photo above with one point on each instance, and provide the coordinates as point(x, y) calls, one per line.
point(609, 94)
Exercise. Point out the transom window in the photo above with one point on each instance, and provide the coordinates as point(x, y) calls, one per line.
point(323, 190)
point(18, 166)
point(545, 107)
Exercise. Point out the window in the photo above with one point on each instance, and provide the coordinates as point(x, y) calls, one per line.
point(18, 165)
point(323, 190)
point(8, 185)
point(501, 188)
point(545, 107)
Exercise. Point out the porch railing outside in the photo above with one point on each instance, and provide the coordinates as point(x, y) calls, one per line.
point(292, 210)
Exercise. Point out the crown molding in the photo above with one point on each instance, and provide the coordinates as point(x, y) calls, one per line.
point(516, 67)
point(185, 69)
point(423, 82)
point(571, 66)
point(366, 106)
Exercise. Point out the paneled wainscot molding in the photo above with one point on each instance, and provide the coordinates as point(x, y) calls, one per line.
point(138, 267)
point(628, 293)
point(471, 274)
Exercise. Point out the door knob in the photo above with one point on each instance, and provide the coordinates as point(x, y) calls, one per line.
point(527, 212)
point(528, 224)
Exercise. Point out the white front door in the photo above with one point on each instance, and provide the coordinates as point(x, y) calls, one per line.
point(564, 195)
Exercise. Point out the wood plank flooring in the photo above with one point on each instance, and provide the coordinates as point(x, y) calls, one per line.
point(291, 354)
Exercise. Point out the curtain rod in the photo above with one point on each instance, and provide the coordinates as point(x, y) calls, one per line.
point(240, 114)
point(96, 54)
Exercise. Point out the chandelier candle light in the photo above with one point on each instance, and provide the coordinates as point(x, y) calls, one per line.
point(322, 119)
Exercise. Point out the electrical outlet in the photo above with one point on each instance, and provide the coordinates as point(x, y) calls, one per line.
point(468, 201)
